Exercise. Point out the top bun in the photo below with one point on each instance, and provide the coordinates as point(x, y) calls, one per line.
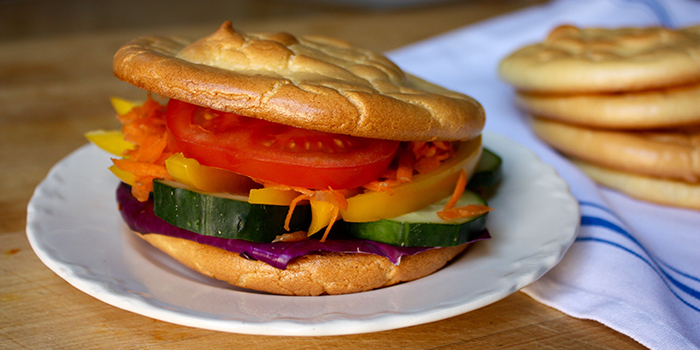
point(310, 82)
point(601, 60)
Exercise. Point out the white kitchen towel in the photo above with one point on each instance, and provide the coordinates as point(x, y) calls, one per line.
point(634, 266)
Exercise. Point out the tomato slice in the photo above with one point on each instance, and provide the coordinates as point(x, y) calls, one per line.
point(274, 152)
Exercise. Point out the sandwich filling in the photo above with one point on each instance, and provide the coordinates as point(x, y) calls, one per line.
point(269, 139)
point(216, 157)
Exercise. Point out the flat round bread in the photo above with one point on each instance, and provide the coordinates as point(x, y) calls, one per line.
point(635, 110)
point(313, 274)
point(669, 154)
point(648, 188)
point(591, 60)
point(310, 82)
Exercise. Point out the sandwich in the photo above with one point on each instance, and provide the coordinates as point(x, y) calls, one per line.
point(295, 165)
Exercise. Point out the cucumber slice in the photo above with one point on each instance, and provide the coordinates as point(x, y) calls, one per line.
point(487, 173)
point(423, 228)
point(223, 215)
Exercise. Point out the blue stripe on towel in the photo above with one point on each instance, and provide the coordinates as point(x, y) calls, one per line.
point(655, 268)
point(656, 264)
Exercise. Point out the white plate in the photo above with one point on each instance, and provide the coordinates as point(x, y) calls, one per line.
point(74, 227)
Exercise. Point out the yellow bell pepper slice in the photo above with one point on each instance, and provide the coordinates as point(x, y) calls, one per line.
point(111, 141)
point(124, 176)
point(189, 172)
point(422, 191)
point(122, 106)
point(321, 213)
point(272, 196)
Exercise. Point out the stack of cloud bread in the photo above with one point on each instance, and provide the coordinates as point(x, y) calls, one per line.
point(623, 104)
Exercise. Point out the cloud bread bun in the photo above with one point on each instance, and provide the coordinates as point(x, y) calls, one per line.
point(310, 82)
point(594, 60)
point(668, 154)
point(313, 274)
point(648, 188)
point(635, 110)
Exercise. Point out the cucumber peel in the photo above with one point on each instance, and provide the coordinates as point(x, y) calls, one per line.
point(224, 216)
point(423, 228)
point(487, 174)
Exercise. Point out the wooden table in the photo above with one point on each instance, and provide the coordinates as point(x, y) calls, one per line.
point(55, 81)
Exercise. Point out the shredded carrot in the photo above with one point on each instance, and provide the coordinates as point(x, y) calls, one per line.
point(458, 191)
point(426, 165)
point(417, 146)
point(295, 236)
point(444, 145)
point(333, 197)
point(144, 126)
point(449, 212)
point(295, 201)
point(144, 174)
point(151, 149)
point(283, 187)
point(334, 217)
point(417, 157)
point(140, 169)
point(381, 186)
point(147, 110)
point(429, 155)
point(336, 198)
point(404, 170)
point(463, 212)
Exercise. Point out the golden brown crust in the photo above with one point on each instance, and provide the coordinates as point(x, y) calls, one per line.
point(574, 60)
point(635, 110)
point(669, 154)
point(313, 274)
point(311, 82)
point(648, 188)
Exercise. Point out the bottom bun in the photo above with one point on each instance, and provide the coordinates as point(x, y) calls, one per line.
point(648, 188)
point(313, 274)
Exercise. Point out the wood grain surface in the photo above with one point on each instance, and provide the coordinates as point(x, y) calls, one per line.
point(55, 84)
